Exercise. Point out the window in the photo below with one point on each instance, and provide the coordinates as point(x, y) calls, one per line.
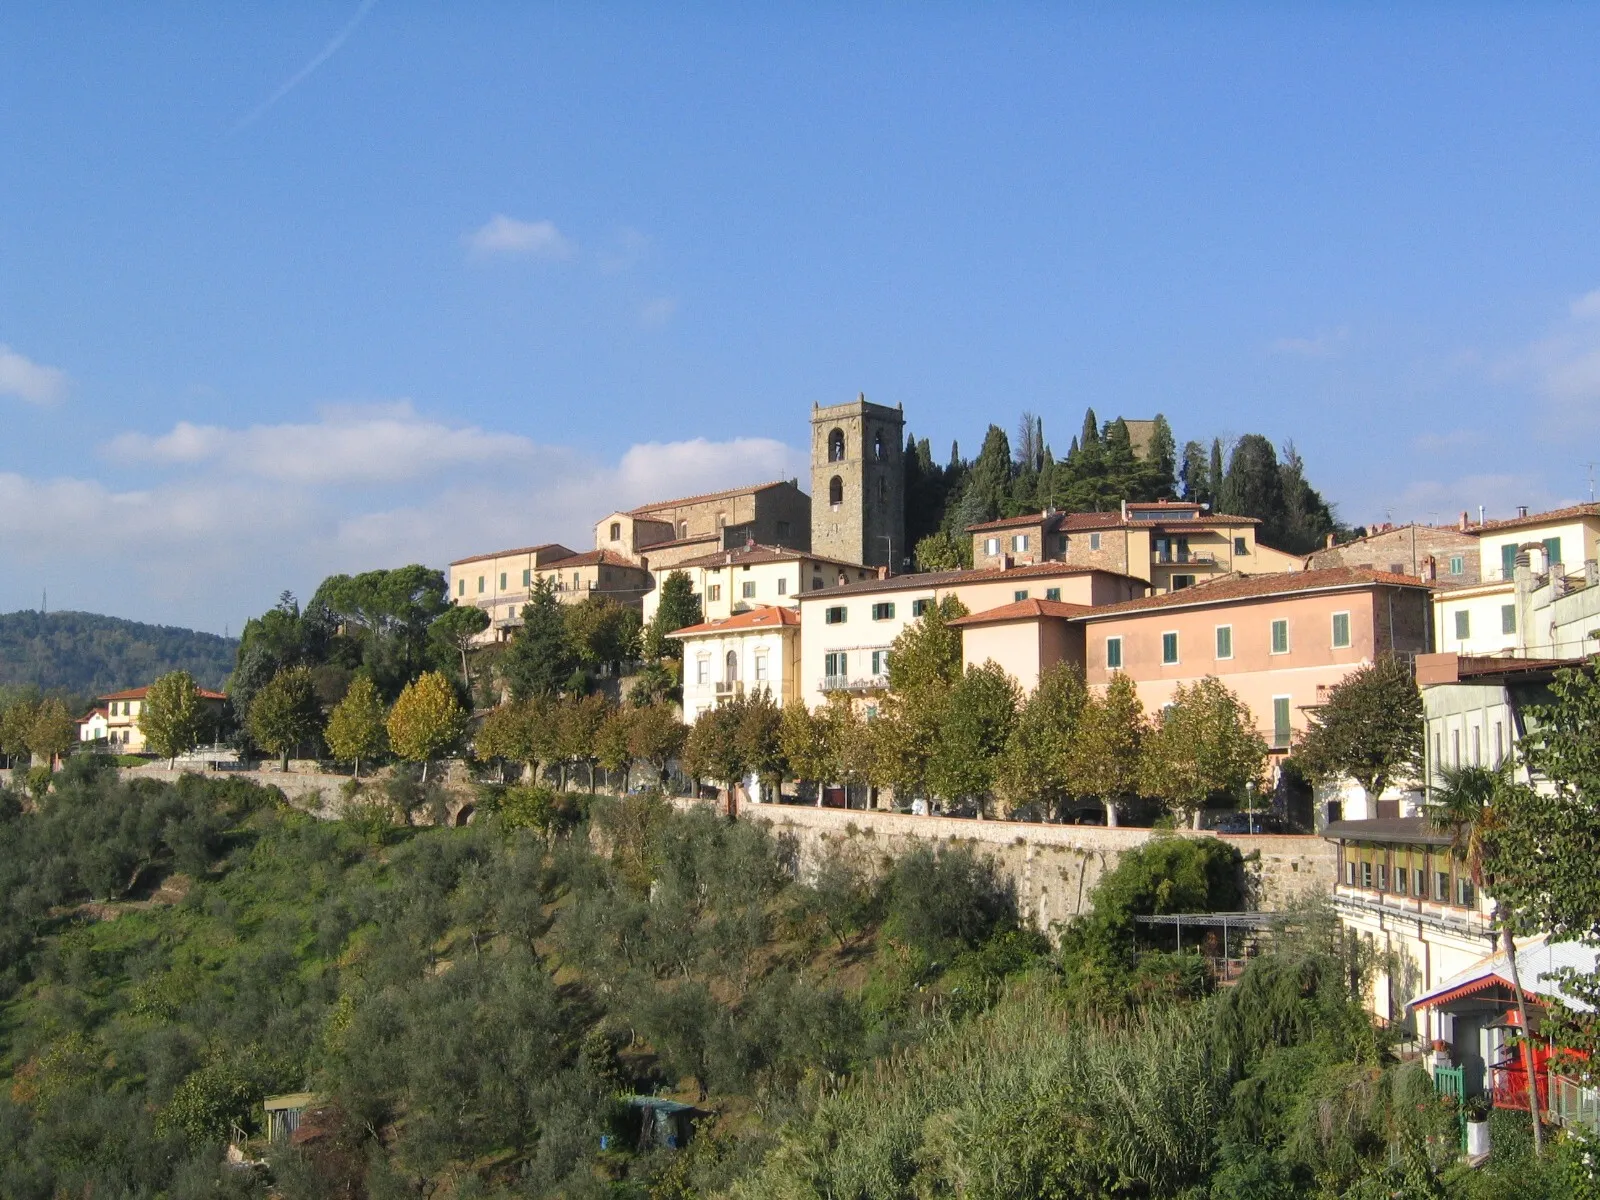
point(1463, 624)
point(1383, 877)
point(816, 582)
point(918, 607)
point(1420, 878)
point(1366, 873)
point(1280, 637)
point(1438, 750)
point(748, 589)
point(761, 665)
point(835, 615)
point(1020, 594)
point(702, 669)
point(730, 667)
point(883, 612)
point(1224, 641)
point(1441, 885)
point(836, 446)
point(880, 662)
point(1113, 653)
point(1341, 630)
point(714, 592)
point(783, 587)
point(836, 491)
point(1240, 548)
point(1401, 875)
point(1552, 552)
point(1499, 743)
point(1179, 582)
point(1477, 747)
point(1169, 648)
point(991, 546)
point(1465, 896)
point(782, 532)
point(1508, 618)
point(1282, 731)
point(480, 585)
point(1019, 543)
point(527, 578)
point(1061, 544)
point(1350, 872)
point(722, 520)
point(502, 581)
point(1455, 747)
point(616, 531)
point(1458, 565)
point(1094, 541)
point(461, 587)
point(878, 451)
point(683, 529)
point(576, 581)
point(1508, 561)
point(1053, 594)
point(834, 664)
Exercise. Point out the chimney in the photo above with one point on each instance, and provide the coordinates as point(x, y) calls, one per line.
point(843, 579)
point(1480, 514)
point(1007, 562)
point(1124, 510)
point(1430, 570)
point(883, 572)
point(1522, 510)
point(1463, 525)
point(1330, 541)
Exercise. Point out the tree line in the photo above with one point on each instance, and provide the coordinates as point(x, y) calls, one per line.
point(1243, 476)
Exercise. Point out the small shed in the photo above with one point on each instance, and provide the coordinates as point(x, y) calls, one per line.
point(285, 1112)
point(665, 1123)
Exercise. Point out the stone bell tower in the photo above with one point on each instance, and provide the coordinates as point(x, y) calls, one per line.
point(858, 503)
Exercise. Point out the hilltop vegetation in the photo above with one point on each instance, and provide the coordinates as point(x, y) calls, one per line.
point(86, 654)
point(472, 1005)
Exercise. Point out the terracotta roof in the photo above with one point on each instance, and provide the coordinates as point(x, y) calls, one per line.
point(758, 553)
point(937, 579)
point(767, 617)
point(1544, 518)
point(508, 553)
point(139, 694)
point(1022, 610)
point(1248, 587)
point(91, 715)
point(593, 558)
point(646, 509)
point(1071, 521)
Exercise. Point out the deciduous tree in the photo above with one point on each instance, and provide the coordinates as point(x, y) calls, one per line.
point(1370, 729)
point(655, 736)
point(285, 712)
point(171, 715)
point(977, 723)
point(356, 725)
point(1037, 764)
point(1105, 759)
point(50, 736)
point(1201, 748)
point(426, 720)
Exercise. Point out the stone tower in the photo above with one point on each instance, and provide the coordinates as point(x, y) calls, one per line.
point(858, 503)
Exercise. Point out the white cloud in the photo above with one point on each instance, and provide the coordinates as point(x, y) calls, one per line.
point(503, 235)
point(659, 311)
point(218, 520)
point(352, 445)
point(29, 381)
point(1324, 345)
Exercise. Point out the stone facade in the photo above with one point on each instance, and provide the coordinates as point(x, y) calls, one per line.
point(772, 514)
point(1446, 554)
point(858, 511)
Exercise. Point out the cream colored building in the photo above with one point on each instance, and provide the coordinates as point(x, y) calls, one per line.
point(1477, 620)
point(1169, 544)
point(846, 631)
point(748, 576)
point(121, 722)
point(670, 531)
point(749, 651)
point(499, 583)
point(1566, 536)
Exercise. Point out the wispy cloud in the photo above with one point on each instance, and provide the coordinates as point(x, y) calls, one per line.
point(1324, 345)
point(503, 235)
point(306, 71)
point(30, 381)
point(656, 313)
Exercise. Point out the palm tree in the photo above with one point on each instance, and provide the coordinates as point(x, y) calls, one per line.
point(1462, 804)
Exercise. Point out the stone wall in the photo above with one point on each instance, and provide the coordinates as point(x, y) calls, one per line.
point(1053, 867)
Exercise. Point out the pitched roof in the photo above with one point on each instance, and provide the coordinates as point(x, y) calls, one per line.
point(647, 509)
point(1225, 588)
point(766, 617)
point(750, 555)
point(138, 693)
point(91, 715)
point(1539, 963)
point(1022, 610)
point(1555, 514)
point(508, 553)
point(1070, 521)
point(593, 558)
point(938, 579)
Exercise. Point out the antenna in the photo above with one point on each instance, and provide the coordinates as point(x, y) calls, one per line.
point(44, 601)
point(1591, 481)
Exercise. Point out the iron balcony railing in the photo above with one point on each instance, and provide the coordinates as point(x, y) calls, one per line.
point(845, 683)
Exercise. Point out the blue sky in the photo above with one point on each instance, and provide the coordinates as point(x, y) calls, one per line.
point(291, 289)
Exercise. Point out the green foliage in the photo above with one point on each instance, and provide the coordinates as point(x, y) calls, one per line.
point(426, 720)
point(87, 654)
point(975, 727)
point(356, 728)
point(540, 659)
point(209, 1103)
point(1202, 749)
point(452, 633)
point(286, 714)
point(604, 633)
point(677, 608)
point(1105, 756)
point(52, 732)
point(1037, 764)
point(1370, 729)
point(171, 717)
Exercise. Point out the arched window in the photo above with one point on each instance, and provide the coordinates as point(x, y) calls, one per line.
point(616, 531)
point(683, 529)
point(877, 446)
point(732, 672)
point(836, 446)
point(836, 490)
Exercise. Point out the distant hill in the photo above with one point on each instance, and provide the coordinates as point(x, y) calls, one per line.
point(87, 654)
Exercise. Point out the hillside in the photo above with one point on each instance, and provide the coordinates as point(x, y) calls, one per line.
point(86, 653)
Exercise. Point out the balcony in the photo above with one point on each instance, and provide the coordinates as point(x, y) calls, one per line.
point(1184, 557)
point(730, 687)
point(844, 683)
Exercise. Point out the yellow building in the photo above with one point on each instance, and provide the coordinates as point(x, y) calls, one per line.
point(116, 718)
point(731, 581)
point(670, 531)
point(499, 583)
point(1169, 544)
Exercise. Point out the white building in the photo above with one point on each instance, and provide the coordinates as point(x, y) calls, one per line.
point(753, 575)
point(750, 651)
